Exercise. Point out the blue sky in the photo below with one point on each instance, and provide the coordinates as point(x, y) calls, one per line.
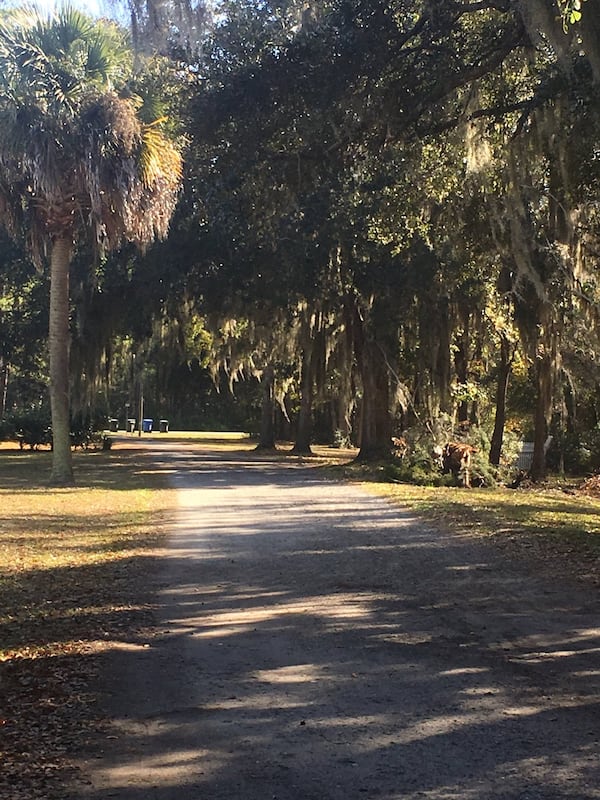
point(95, 7)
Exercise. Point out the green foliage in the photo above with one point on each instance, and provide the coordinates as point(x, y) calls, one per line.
point(570, 11)
point(418, 464)
point(420, 467)
point(32, 428)
point(7, 430)
point(575, 453)
point(397, 175)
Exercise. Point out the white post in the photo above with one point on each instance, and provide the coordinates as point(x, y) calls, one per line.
point(141, 405)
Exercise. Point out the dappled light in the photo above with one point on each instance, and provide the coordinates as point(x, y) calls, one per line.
point(324, 643)
point(383, 239)
point(295, 636)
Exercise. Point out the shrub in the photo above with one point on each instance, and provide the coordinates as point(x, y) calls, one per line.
point(32, 428)
point(575, 453)
point(7, 430)
point(419, 466)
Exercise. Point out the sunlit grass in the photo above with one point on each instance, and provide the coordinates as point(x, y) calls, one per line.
point(66, 552)
point(226, 436)
point(566, 517)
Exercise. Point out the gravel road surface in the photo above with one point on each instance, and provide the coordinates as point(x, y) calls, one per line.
point(315, 642)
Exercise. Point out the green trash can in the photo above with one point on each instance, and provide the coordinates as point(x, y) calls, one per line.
point(130, 425)
point(163, 425)
point(113, 425)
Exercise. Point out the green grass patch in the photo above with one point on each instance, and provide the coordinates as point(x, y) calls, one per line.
point(565, 522)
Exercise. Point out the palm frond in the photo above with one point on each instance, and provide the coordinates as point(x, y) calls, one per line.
point(152, 107)
point(160, 161)
point(85, 157)
point(70, 25)
point(99, 59)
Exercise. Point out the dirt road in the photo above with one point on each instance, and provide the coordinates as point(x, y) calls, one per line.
point(318, 643)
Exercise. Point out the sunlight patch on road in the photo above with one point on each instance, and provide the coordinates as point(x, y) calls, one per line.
point(335, 609)
point(540, 657)
point(465, 671)
point(165, 769)
point(295, 673)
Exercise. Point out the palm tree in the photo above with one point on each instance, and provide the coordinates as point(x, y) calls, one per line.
point(79, 163)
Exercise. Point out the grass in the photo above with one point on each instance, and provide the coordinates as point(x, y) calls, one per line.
point(551, 511)
point(73, 579)
point(188, 436)
point(63, 549)
point(557, 527)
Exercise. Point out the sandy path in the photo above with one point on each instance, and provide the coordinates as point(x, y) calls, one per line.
point(317, 643)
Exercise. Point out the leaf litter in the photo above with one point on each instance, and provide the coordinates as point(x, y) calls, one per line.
point(74, 568)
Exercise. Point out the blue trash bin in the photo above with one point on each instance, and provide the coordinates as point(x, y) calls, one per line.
point(147, 426)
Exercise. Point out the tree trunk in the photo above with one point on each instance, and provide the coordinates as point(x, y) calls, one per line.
point(346, 400)
point(304, 430)
point(4, 371)
point(343, 415)
point(543, 405)
point(267, 420)
point(570, 405)
point(501, 394)
point(376, 423)
point(62, 462)
point(376, 420)
point(461, 366)
point(435, 328)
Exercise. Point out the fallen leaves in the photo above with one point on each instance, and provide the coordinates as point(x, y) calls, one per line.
point(591, 486)
point(73, 577)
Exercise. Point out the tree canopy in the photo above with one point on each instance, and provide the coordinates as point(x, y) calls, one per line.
point(388, 217)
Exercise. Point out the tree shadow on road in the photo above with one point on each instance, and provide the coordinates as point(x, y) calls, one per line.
point(316, 645)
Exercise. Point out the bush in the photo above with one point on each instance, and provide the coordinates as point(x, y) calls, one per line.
point(420, 467)
point(574, 453)
point(7, 430)
point(32, 428)
point(340, 439)
point(90, 439)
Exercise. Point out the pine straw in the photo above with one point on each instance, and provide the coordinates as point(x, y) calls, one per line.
point(73, 566)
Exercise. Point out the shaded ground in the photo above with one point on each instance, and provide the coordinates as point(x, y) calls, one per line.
point(316, 643)
point(71, 563)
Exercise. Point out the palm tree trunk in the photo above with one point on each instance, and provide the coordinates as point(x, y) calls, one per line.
point(62, 463)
